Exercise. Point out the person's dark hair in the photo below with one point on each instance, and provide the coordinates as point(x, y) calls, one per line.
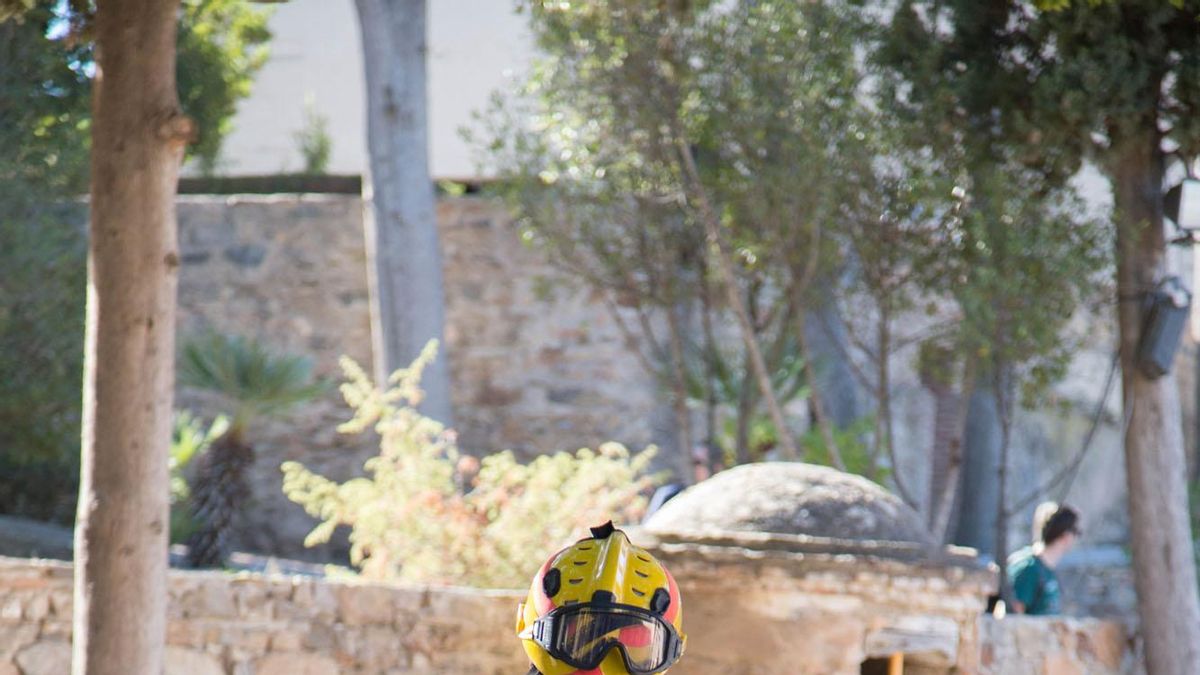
point(1064, 519)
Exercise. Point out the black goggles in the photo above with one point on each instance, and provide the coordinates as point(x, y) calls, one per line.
point(582, 635)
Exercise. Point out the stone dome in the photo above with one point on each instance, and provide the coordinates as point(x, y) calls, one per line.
point(791, 498)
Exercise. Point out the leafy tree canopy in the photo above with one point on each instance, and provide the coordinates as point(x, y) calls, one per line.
point(45, 66)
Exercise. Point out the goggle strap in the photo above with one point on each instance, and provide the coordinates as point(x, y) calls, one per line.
point(543, 631)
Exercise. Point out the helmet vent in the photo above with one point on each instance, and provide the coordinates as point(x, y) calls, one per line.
point(584, 548)
point(660, 601)
point(643, 558)
point(582, 562)
point(603, 598)
point(552, 582)
point(640, 594)
point(641, 574)
point(575, 581)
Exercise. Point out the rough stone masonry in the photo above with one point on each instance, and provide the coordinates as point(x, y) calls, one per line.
point(225, 624)
point(537, 364)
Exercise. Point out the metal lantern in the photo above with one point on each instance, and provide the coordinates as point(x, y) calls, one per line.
point(1165, 316)
point(1182, 205)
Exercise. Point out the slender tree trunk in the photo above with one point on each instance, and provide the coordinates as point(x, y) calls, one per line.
point(884, 362)
point(138, 137)
point(981, 451)
point(712, 229)
point(683, 417)
point(1164, 566)
point(820, 416)
point(946, 404)
point(943, 501)
point(827, 340)
point(710, 373)
point(1002, 391)
point(745, 414)
point(399, 214)
point(883, 397)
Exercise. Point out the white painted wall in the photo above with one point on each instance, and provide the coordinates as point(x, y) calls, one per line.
point(474, 46)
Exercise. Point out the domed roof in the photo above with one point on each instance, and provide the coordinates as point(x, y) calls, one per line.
point(791, 498)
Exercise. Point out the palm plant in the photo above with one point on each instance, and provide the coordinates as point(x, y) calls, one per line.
point(255, 383)
point(190, 441)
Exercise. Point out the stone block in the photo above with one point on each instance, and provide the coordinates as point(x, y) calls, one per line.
point(61, 604)
point(296, 664)
point(48, 657)
point(286, 640)
point(56, 629)
point(364, 605)
point(253, 600)
point(211, 597)
point(37, 608)
point(1103, 643)
point(15, 638)
point(189, 662)
point(1061, 664)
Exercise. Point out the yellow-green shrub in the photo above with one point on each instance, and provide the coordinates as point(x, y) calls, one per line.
point(411, 520)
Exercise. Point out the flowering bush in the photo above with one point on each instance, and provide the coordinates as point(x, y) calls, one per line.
point(419, 516)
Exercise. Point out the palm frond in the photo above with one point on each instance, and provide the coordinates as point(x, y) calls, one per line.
point(253, 378)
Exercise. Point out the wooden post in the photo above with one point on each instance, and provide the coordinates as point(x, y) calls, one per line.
point(896, 664)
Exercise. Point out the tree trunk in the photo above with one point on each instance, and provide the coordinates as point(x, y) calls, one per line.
point(826, 338)
point(745, 415)
point(981, 458)
point(683, 417)
point(1002, 387)
point(399, 215)
point(950, 424)
point(712, 228)
point(138, 137)
point(820, 417)
point(883, 363)
point(716, 454)
point(1164, 566)
point(219, 493)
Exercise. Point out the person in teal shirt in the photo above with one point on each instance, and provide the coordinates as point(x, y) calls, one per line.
point(1035, 586)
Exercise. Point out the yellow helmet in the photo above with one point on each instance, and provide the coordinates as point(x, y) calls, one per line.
point(602, 607)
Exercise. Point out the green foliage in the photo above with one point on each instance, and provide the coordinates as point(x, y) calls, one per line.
point(221, 46)
point(43, 115)
point(313, 139)
point(596, 168)
point(410, 520)
point(189, 441)
point(1014, 253)
point(255, 381)
point(45, 133)
point(716, 374)
point(10, 9)
point(42, 271)
point(855, 453)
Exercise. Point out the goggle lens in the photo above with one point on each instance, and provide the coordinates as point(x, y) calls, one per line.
point(583, 635)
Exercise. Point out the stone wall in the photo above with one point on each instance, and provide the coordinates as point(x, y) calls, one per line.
point(536, 364)
point(742, 618)
point(253, 625)
point(1055, 646)
point(777, 612)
